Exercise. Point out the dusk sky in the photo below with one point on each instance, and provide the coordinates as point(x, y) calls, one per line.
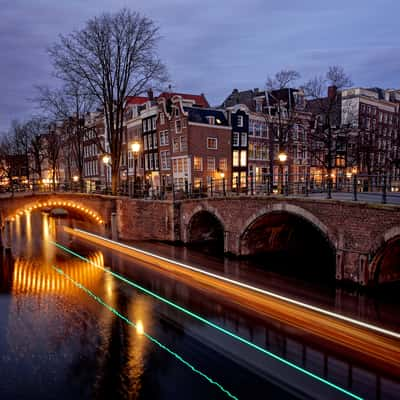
point(211, 46)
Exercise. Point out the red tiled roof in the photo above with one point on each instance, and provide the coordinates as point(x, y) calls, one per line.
point(199, 100)
point(136, 99)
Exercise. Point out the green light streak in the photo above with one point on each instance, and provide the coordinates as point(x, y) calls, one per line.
point(147, 335)
point(212, 324)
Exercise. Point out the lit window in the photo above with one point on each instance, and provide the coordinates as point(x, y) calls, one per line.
point(211, 120)
point(198, 163)
point(223, 164)
point(210, 163)
point(243, 158)
point(235, 161)
point(212, 143)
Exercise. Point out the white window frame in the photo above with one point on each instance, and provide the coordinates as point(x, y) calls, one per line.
point(216, 143)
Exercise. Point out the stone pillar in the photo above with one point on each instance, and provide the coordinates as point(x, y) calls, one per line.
point(339, 265)
point(114, 226)
point(363, 270)
point(226, 241)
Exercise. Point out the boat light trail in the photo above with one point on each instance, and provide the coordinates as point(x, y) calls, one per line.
point(353, 321)
point(139, 329)
point(212, 324)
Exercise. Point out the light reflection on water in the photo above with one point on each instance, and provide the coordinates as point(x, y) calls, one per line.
point(62, 344)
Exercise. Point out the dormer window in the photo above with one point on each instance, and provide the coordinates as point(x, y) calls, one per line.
point(240, 121)
point(176, 112)
point(258, 106)
point(211, 120)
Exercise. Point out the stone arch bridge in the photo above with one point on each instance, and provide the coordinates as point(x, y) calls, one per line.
point(364, 238)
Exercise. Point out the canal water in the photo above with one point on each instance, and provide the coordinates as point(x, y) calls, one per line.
point(69, 329)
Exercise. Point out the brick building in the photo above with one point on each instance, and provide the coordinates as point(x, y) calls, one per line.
point(195, 141)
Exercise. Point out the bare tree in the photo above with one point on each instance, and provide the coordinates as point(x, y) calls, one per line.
point(329, 135)
point(282, 79)
point(37, 127)
point(53, 144)
point(114, 56)
point(281, 117)
point(70, 104)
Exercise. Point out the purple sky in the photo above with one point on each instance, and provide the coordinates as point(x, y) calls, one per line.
point(212, 46)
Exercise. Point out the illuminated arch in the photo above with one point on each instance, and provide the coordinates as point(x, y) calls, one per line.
point(72, 205)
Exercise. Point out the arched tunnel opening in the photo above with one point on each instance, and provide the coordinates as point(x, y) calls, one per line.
point(290, 245)
point(206, 233)
point(387, 260)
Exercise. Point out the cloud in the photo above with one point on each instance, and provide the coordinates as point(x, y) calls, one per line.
point(211, 46)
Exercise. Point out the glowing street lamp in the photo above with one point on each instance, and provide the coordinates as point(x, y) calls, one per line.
point(106, 160)
point(75, 178)
point(282, 157)
point(135, 150)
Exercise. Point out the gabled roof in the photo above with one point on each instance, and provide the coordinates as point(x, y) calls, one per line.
point(199, 100)
point(136, 99)
point(200, 115)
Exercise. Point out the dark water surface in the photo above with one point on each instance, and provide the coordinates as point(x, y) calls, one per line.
point(78, 334)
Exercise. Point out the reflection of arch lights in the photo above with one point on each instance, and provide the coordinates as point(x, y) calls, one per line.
point(28, 278)
point(72, 205)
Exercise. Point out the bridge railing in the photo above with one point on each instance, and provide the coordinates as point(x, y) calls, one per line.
point(375, 188)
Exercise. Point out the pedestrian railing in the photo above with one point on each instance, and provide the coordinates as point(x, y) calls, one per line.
point(376, 188)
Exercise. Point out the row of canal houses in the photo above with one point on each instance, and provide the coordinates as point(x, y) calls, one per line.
point(177, 138)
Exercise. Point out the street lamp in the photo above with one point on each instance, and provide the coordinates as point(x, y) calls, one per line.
point(282, 157)
point(135, 151)
point(106, 161)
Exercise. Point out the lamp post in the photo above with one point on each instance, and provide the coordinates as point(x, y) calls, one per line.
point(222, 175)
point(106, 161)
point(135, 151)
point(282, 157)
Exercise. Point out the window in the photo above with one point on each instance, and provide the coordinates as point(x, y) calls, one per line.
point(162, 119)
point(153, 123)
point(183, 143)
point(223, 164)
point(240, 120)
point(243, 139)
point(235, 139)
point(243, 158)
point(165, 159)
point(198, 163)
point(235, 161)
point(258, 106)
point(155, 140)
point(176, 145)
point(211, 120)
point(178, 127)
point(212, 143)
point(176, 112)
point(197, 183)
point(184, 123)
point(164, 139)
point(210, 163)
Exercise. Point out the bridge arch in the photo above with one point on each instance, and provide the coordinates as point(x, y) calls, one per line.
point(285, 234)
point(385, 257)
point(204, 224)
point(22, 206)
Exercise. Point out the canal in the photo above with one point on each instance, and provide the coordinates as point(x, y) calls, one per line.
point(69, 328)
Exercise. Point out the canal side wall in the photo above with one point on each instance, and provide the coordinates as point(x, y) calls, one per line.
point(145, 220)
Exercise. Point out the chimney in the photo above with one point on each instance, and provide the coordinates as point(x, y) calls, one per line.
point(150, 94)
point(332, 91)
